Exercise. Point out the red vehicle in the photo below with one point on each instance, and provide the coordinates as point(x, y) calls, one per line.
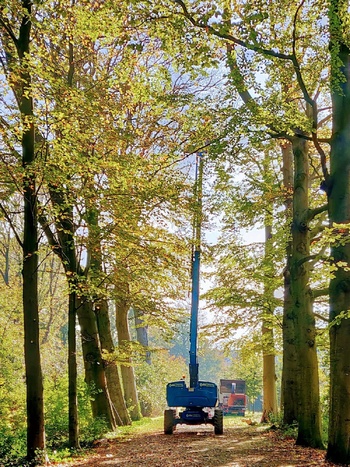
point(233, 399)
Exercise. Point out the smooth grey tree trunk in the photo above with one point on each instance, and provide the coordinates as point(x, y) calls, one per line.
point(127, 370)
point(142, 334)
point(309, 417)
point(269, 370)
point(112, 374)
point(289, 397)
point(101, 310)
point(338, 190)
point(95, 376)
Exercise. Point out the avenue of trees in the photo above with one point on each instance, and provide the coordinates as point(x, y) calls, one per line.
point(104, 106)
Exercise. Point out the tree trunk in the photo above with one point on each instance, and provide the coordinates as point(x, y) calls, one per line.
point(112, 374)
point(94, 366)
point(73, 420)
point(102, 316)
point(93, 363)
point(338, 188)
point(289, 395)
point(142, 334)
point(66, 251)
point(128, 375)
point(269, 372)
point(6, 254)
point(34, 380)
point(71, 267)
point(309, 419)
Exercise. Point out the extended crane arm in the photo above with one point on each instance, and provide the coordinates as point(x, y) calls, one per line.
point(193, 365)
point(196, 398)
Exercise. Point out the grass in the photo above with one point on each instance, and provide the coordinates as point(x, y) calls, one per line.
point(145, 425)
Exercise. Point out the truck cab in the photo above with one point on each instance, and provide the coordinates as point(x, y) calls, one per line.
point(232, 398)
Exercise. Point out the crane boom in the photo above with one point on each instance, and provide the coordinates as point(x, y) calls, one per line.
point(195, 273)
point(199, 396)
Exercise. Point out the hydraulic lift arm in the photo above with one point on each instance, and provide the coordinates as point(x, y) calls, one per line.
point(196, 251)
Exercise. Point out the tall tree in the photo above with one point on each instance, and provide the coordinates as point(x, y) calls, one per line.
point(307, 387)
point(289, 402)
point(17, 67)
point(127, 367)
point(337, 186)
point(101, 309)
point(254, 37)
point(62, 240)
point(100, 157)
point(268, 344)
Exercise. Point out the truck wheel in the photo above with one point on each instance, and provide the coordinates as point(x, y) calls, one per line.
point(168, 422)
point(218, 422)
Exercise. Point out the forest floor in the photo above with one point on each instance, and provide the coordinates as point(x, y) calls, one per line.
point(197, 446)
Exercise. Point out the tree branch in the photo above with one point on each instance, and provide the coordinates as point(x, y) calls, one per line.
point(307, 259)
point(232, 63)
point(319, 293)
point(324, 120)
point(53, 242)
point(322, 318)
point(229, 37)
point(308, 99)
point(295, 62)
point(22, 44)
point(271, 53)
point(312, 213)
point(9, 31)
point(9, 220)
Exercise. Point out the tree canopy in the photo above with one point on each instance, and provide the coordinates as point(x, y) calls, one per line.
point(104, 108)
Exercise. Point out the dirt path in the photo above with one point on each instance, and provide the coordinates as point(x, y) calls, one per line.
point(239, 446)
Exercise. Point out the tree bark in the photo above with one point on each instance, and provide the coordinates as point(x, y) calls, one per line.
point(338, 188)
point(142, 334)
point(290, 362)
point(34, 380)
point(5, 272)
point(269, 372)
point(65, 249)
point(112, 374)
point(127, 370)
point(73, 419)
point(309, 419)
point(96, 274)
point(71, 267)
point(94, 366)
